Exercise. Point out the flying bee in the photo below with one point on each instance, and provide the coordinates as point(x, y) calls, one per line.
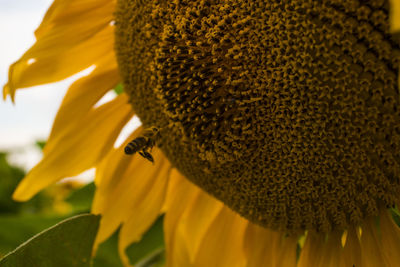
point(147, 140)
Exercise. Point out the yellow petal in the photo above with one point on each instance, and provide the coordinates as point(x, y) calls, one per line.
point(145, 207)
point(390, 239)
point(264, 247)
point(55, 64)
point(319, 252)
point(352, 249)
point(83, 145)
point(222, 245)
point(84, 94)
point(197, 219)
point(129, 183)
point(395, 15)
point(134, 194)
point(371, 245)
point(287, 253)
point(380, 243)
point(192, 225)
point(108, 173)
point(66, 25)
point(67, 42)
point(73, 12)
point(180, 195)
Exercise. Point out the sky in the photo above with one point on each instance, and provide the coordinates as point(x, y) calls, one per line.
point(30, 118)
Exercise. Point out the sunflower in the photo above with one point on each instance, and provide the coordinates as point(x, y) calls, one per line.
point(271, 129)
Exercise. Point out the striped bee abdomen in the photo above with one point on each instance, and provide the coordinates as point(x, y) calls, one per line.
point(135, 145)
point(144, 142)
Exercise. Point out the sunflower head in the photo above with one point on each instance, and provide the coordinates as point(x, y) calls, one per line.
point(287, 112)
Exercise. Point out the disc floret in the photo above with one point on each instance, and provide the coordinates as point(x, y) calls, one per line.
point(287, 112)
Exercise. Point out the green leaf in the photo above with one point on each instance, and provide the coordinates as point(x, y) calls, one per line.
point(81, 199)
point(107, 253)
point(119, 89)
point(150, 250)
point(15, 229)
point(67, 244)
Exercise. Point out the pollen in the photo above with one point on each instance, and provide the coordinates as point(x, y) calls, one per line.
point(287, 111)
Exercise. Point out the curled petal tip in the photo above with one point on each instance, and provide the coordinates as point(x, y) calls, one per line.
point(27, 188)
point(8, 92)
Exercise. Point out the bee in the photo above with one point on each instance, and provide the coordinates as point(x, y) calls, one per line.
point(143, 143)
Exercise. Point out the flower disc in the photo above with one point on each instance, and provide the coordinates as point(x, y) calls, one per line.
point(287, 111)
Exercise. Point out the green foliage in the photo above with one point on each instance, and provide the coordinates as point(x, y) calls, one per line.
point(151, 248)
point(119, 89)
point(107, 253)
point(40, 144)
point(21, 221)
point(81, 199)
point(68, 244)
point(9, 178)
point(156, 259)
point(15, 229)
point(149, 252)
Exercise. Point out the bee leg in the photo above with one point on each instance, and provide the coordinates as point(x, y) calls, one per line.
point(147, 156)
point(142, 154)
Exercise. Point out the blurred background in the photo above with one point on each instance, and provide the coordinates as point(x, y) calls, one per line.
point(24, 127)
point(29, 119)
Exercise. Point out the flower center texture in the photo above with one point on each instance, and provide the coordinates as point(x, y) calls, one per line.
point(287, 111)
